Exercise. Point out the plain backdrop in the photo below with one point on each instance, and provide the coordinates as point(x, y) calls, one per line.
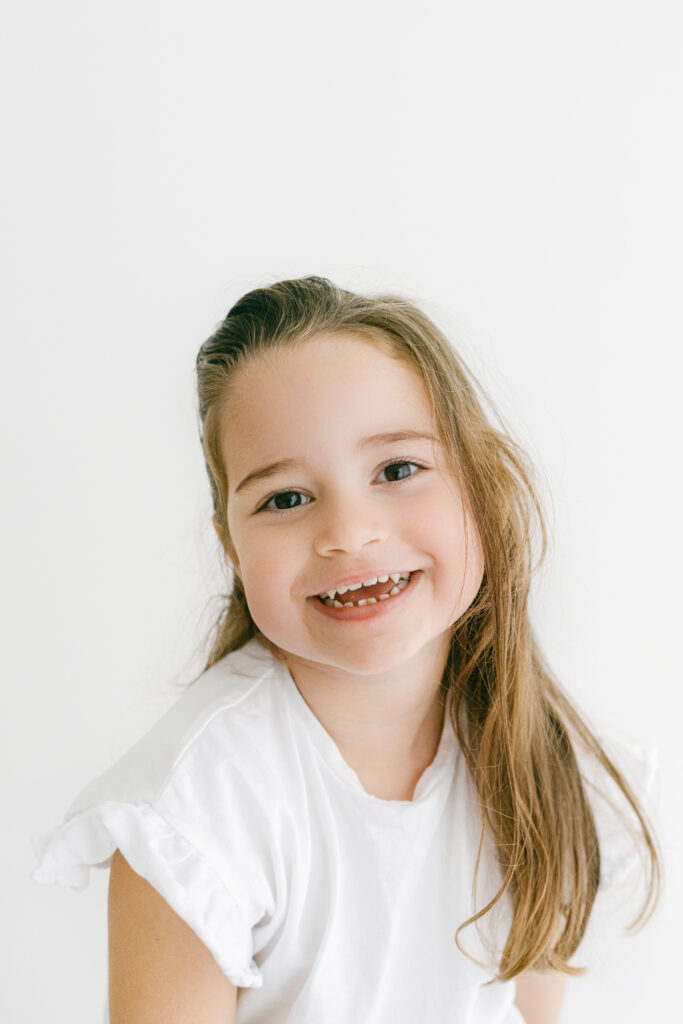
point(515, 168)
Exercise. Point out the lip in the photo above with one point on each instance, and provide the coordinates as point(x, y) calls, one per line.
point(369, 575)
point(369, 611)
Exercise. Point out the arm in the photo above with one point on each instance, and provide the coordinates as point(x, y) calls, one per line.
point(158, 969)
point(540, 996)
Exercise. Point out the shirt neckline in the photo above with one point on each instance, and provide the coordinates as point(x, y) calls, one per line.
point(434, 775)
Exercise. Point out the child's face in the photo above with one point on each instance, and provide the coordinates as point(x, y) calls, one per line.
point(349, 512)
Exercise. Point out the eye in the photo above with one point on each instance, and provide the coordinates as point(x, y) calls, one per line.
point(285, 497)
point(401, 464)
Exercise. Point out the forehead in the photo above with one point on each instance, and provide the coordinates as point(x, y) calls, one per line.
point(327, 393)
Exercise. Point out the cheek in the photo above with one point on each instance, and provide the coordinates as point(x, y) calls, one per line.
point(266, 610)
point(468, 562)
point(451, 535)
point(262, 574)
point(441, 521)
point(267, 580)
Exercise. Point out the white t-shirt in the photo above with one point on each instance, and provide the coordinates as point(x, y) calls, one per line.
point(319, 900)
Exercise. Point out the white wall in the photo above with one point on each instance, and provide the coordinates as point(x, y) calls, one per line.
point(514, 167)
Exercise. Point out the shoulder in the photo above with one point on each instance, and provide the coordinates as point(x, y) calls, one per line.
point(225, 707)
point(190, 807)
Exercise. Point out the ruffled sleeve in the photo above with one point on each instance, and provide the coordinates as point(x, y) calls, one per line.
point(194, 806)
point(624, 867)
point(182, 875)
point(621, 846)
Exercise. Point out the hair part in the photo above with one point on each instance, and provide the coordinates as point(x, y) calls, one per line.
point(516, 726)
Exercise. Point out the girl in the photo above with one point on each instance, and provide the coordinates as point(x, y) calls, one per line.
point(376, 804)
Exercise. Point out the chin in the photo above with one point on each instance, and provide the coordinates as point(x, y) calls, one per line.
point(372, 659)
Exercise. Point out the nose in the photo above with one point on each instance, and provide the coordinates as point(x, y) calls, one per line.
point(349, 524)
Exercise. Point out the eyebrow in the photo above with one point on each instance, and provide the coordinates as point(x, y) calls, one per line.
point(388, 437)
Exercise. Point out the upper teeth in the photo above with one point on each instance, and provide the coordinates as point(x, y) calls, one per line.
point(395, 576)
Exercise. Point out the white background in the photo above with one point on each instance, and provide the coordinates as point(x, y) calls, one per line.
point(514, 167)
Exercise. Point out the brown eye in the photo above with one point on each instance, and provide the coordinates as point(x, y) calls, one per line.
point(284, 500)
point(400, 466)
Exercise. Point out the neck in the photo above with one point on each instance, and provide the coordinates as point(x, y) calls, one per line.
point(387, 727)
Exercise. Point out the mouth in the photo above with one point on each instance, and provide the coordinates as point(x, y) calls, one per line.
point(372, 598)
point(370, 591)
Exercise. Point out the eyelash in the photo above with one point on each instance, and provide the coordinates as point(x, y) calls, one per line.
point(388, 465)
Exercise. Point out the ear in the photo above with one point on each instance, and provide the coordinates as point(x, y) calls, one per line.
point(227, 546)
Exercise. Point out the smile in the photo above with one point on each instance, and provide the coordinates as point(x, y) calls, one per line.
point(378, 602)
point(379, 588)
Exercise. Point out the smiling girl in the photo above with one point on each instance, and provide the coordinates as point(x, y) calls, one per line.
point(375, 804)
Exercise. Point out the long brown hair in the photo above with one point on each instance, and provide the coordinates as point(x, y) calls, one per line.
point(516, 726)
